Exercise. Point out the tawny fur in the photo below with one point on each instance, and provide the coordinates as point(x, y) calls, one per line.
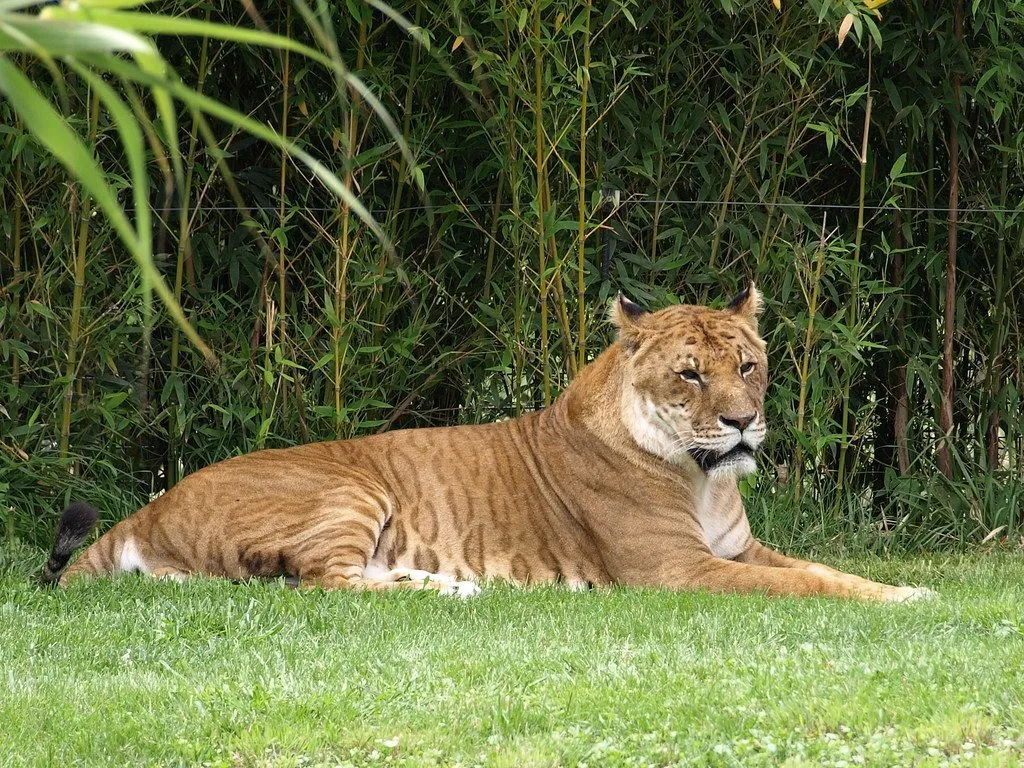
point(621, 481)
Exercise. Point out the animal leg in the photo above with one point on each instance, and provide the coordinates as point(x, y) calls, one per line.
point(124, 549)
point(759, 554)
point(335, 550)
point(719, 575)
point(414, 578)
point(169, 573)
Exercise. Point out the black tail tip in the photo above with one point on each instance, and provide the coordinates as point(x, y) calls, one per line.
point(78, 520)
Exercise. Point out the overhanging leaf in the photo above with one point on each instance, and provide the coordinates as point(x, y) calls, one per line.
point(149, 23)
point(52, 131)
point(233, 117)
point(69, 38)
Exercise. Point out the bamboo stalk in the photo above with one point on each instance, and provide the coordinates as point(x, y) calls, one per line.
point(780, 168)
point(901, 412)
point(933, 294)
point(402, 183)
point(343, 253)
point(556, 284)
point(274, 383)
point(853, 310)
point(541, 210)
point(183, 264)
point(16, 257)
point(266, 391)
point(734, 170)
point(282, 282)
point(998, 316)
point(161, 161)
point(518, 290)
point(492, 240)
point(341, 261)
point(944, 457)
point(659, 178)
point(581, 259)
point(805, 363)
point(81, 252)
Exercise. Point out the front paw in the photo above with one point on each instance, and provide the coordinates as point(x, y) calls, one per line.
point(461, 589)
point(905, 594)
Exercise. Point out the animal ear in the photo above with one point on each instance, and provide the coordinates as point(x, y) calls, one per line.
point(747, 303)
point(625, 315)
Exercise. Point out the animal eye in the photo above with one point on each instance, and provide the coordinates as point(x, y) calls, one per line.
point(746, 368)
point(691, 376)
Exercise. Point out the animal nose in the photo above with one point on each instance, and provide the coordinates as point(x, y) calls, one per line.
point(739, 422)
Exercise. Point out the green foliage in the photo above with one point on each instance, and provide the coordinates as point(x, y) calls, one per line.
point(722, 141)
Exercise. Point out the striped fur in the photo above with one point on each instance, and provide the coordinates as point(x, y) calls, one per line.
point(630, 477)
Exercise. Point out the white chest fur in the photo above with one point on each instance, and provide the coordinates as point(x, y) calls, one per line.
point(722, 519)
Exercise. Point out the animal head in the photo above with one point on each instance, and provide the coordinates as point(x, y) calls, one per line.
point(694, 382)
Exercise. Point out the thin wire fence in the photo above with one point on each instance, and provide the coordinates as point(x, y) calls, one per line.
point(639, 201)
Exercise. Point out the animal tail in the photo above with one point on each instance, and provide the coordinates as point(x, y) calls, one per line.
point(75, 524)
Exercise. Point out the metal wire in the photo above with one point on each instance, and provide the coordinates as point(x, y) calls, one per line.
point(622, 204)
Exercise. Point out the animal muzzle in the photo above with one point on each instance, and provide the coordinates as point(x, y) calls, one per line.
point(708, 459)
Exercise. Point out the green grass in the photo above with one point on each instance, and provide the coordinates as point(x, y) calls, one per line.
point(132, 672)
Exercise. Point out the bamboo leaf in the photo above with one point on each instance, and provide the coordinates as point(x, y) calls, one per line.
point(158, 24)
point(8, 6)
point(18, 40)
point(874, 31)
point(233, 117)
point(71, 38)
point(52, 131)
point(993, 533)
point(149, 23)
point(897, 167)
point(844, 28)
point(152, 62)
point(112, 3)
point(132, 143)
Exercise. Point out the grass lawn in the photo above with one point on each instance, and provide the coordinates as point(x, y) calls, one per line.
point(133, 672)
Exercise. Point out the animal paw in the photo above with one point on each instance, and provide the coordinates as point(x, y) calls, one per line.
point(907, 594)
point(415, 574)
point(460, 589)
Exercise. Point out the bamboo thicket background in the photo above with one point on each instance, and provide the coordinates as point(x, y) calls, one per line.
point(568, 150)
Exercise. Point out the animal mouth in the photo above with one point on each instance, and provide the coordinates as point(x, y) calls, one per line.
point(709, 460)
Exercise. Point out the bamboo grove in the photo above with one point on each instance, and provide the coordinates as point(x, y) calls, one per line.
point(561, 152)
